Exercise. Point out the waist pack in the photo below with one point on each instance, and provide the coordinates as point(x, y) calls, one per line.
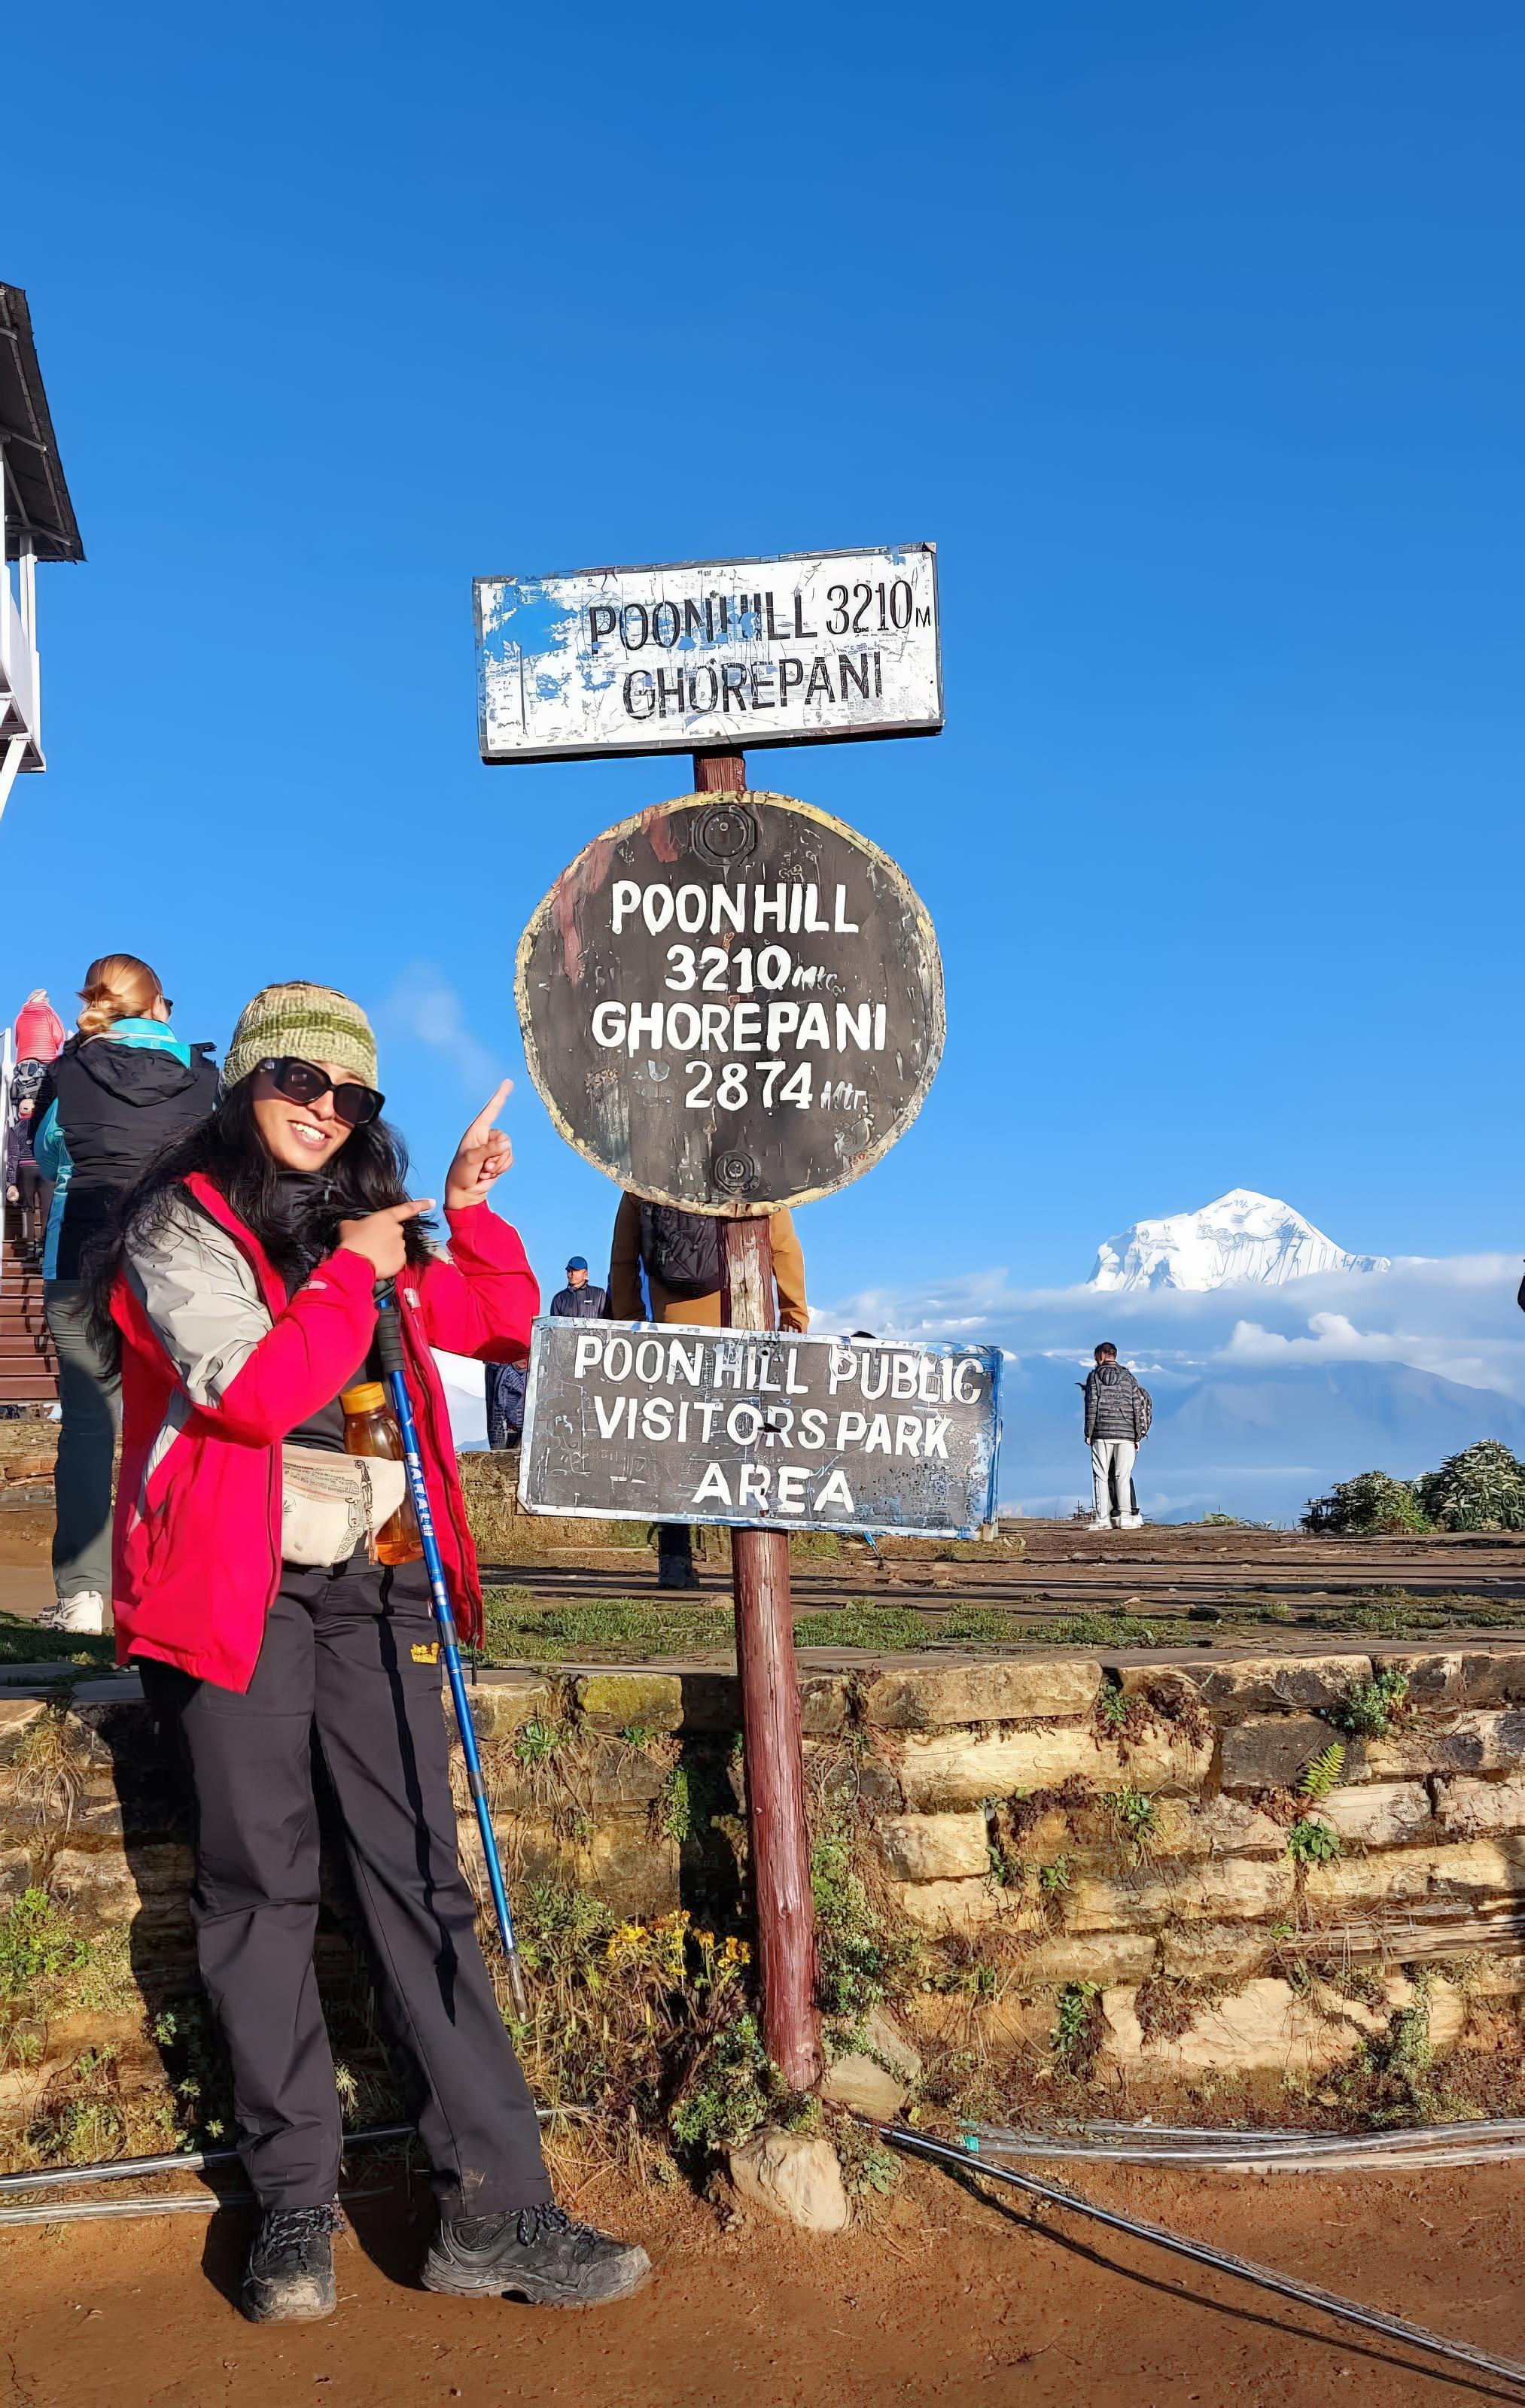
point(331, 1504)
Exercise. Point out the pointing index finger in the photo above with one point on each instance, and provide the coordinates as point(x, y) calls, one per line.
point(483, 1122)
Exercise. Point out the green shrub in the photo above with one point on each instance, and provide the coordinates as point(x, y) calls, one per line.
point(1368, 1709)
point(729, 2092)
point(37, 1942)
point(675, 1807)
point(866, 2164)
point(1371, 1505)
point(1312, 1843)
point(537, 1743)
point(1076, 2036)
point(861, 1960)
point(1482, 1488)
point(1137, 1818)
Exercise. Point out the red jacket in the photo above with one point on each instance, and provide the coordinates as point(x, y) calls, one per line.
point(196, 1554)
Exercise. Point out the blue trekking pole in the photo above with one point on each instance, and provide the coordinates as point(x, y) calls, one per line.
point(389, 1347)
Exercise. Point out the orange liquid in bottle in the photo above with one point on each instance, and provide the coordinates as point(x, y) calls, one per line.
point(370, 1429)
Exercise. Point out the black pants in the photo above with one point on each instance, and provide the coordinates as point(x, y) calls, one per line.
point(674, 1556)
point(29, 1190)
point(348, 1658)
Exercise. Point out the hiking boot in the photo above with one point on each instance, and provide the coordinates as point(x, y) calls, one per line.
point(536, 2254)
point(84, 1615)
point(288, 2279)
point(675, 1572)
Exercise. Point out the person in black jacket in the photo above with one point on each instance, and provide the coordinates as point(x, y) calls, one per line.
point(123, 1086)
point(578, 1300)
point(1117, 1415)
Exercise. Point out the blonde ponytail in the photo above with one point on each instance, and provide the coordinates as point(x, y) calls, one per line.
point(117, 987)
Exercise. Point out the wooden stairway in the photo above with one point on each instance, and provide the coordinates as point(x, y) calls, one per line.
point(28, 1369)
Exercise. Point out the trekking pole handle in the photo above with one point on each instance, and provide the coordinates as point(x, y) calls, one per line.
point(388, 1329)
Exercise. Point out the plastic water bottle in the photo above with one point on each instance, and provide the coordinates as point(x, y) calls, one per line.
point(370, 1427)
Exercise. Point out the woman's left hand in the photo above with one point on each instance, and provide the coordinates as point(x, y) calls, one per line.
point(482, 1155)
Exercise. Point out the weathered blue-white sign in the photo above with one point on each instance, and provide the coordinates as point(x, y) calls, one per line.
point(808, 648)
point(661, 1423)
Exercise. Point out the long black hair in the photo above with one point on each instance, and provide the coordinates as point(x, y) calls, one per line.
point(295, 1217)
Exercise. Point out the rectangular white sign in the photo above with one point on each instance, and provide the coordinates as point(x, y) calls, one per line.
point(806, 649)
point(758, 1427)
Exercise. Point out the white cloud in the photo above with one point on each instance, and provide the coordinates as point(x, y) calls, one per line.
point(423, 1006)
point(1455, 1316)
point(1263, 1396)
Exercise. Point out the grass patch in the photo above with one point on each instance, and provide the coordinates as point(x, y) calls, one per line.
point(597, 1626)
point(518, 1629)
point(893, 1628)
point(1118, 1630)
point(23, 1642)
point(622, 1628)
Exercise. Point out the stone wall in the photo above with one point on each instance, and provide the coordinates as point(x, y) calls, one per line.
point(1215, 1862)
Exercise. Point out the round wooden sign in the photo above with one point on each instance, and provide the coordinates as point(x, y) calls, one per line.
point(731, 1001)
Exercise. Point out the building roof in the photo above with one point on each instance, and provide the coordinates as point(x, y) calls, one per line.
point(37, 500)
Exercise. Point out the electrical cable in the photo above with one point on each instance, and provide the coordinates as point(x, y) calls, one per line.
point(1306, 2294)
point(1280, 2152)
point(84, 2211)
point(193, 2162)
point(1511, 2127)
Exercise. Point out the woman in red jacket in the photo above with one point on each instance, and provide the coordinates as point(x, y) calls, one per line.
point(243, 1290)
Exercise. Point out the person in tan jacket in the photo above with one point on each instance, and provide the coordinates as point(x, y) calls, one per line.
point(679, 1252)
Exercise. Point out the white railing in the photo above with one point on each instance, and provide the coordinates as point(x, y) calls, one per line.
point(20, 684)
point(7, 1067)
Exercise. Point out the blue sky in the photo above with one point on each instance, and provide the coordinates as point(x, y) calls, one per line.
point(1189, 332)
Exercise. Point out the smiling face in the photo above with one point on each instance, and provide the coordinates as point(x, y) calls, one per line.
point(300, 1136)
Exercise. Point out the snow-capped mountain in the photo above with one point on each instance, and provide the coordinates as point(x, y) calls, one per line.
point(1242, 1236)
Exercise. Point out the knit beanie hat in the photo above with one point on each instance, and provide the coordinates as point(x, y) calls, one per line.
point(316, 1022)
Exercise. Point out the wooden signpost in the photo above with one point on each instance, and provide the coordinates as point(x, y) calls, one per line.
point(729, 1003)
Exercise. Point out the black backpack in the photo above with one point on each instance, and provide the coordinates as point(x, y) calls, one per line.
point(680, 1250)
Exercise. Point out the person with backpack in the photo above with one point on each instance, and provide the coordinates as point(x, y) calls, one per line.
point(39, 1032)
point(1119, 1411)
point(268, 1624)
point(123, 1086)
point(675, 1257)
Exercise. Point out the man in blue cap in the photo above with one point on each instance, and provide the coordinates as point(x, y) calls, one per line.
point(577, 1300)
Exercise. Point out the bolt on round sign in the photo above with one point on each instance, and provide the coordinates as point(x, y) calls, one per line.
point(731, 1001)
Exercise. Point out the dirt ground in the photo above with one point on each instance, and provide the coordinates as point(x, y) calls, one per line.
point(947, 2296)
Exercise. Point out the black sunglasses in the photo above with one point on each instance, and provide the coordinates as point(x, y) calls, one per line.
point(304, 1082)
